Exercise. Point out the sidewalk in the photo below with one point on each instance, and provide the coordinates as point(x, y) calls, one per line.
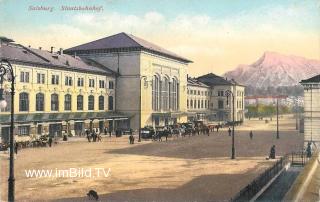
point(313, 191)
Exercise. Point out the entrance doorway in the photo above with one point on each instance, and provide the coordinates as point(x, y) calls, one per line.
point(55, 129)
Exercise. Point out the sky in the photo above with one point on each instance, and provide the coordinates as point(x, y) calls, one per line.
point(217, 35)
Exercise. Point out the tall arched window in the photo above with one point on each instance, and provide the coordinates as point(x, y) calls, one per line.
point(40, 102)
point(165, 94)
point(80, 102)
point(101, 102)
point(91, 102)
point(110, 102)
point(54, 102)
point(23, 102)
point(155, 93)
point(67, 102)
point(174, 94)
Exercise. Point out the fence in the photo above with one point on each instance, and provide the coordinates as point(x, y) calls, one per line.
point(247, 193)
point(257, 184)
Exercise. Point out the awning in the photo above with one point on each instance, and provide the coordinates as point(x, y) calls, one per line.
point(50, 117)
point(169, 114)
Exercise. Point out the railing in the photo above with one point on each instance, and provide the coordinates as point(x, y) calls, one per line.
point(248, 192)
point(257, 184)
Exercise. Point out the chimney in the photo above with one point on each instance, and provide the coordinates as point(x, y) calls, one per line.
point(29, 46)
point(61, 51)
point(40, 48)
point(51, 51)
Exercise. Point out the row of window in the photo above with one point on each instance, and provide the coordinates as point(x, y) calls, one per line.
point(40, 102)
point(198, 92)
point(221, 93)
point(198, 104)
point(24, 77)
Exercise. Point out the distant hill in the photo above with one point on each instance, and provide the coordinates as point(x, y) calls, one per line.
point(275, 69)
point(275, 73)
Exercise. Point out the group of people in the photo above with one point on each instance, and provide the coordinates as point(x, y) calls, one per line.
point(93, 135)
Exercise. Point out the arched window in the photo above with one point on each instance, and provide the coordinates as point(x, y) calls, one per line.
point(91, 102)
point(67, 102)
point(23, 102)
point(101, 102)
point(155, 93)
point(54, 102)
point(174, 104)
point(165, 94)
point(110, 102)
point(80, 102)
point(39, 102)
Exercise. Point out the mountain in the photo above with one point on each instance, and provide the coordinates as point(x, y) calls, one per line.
point(275, 70)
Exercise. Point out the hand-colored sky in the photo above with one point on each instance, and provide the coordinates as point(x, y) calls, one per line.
point(216, 34)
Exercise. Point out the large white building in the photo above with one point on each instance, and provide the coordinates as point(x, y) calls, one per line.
point(57, 93)
point(312, 109)
point(151, 81)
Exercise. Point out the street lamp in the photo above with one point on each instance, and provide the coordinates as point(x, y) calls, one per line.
point(140, 114)
point(7, 70)
point(229, 93)
point(278, 118)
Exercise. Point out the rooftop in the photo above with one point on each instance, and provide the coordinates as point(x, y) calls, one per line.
point(124, 40)
point(212, 80)
point(19, 53)
point(315, 79)
point(195, 82)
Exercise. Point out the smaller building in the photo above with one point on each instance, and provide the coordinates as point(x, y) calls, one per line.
point(311, 109)
point(208, 100)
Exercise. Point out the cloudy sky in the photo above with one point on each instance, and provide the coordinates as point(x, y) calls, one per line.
point(217, 35)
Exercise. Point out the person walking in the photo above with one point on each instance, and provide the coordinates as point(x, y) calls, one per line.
point(229, 131)
point(50, 141)
point(272, 152)
point(308, 150)
point(16, 146)
point(251, 135)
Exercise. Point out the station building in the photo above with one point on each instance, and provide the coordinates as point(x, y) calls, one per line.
point(58, 93)
point(151, 83)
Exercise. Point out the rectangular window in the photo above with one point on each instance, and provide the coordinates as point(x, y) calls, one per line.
point(68, 81)
point(111, 85)
point(80, 82)
point(23, 130)
point(220, 93)
point(55, 79)
point(101, 83)
point(40, 78)
point(220, 104)
point(24, 77)
point(91, 83)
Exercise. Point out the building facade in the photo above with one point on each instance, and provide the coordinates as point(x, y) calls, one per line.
point(57, 93)
point(207, 98)
point(151, 83)
point(311, 109)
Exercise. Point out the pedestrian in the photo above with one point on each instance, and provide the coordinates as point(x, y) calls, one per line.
point(251, 135)
point(229, 131)
point(110, 132)
point(94, 136)
point(88, 135)
point(308, 150)
point(50, 141)
point(16, 146)
point(272, 152)
point(105, 131)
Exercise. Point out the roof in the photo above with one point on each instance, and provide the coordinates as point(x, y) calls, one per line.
point(315, 79)
point(124, 40)
point(195, 82)
point(19, 53)
point(213, 80)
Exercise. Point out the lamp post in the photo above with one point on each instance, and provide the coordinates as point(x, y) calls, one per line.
point(140, 114)
point(229, 93)
point(278, 118)
point(6, 69)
